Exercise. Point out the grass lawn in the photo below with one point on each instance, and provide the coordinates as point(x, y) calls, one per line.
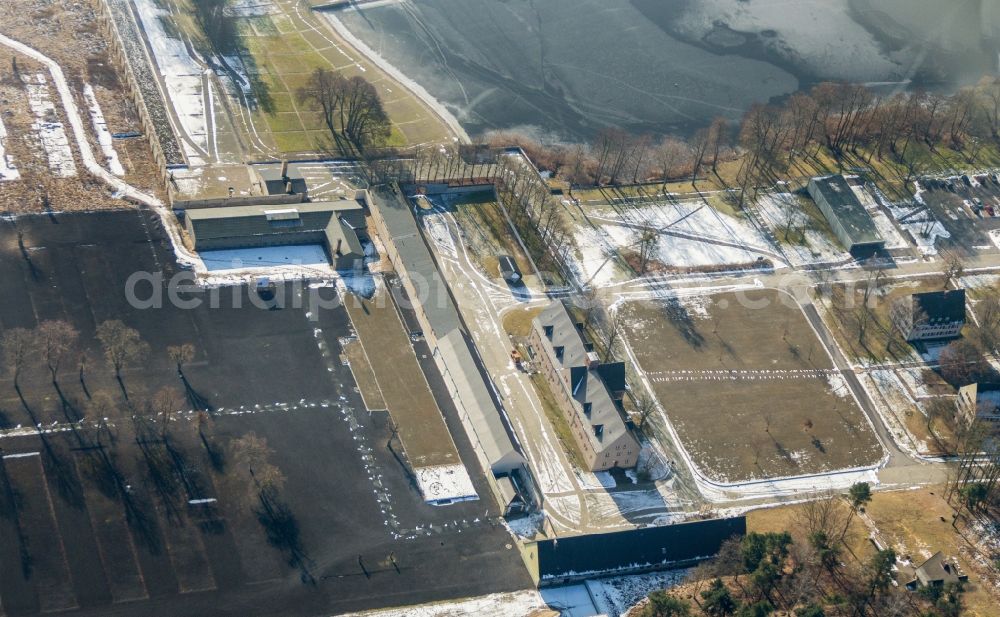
point(296, 141)
point(910, 522)
point(558, 421)
point(487, 231)
point(748, 386)
point(880, 340)
point(517, 322)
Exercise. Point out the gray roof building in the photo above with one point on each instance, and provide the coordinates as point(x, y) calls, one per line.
point(846, 214)
point(934, 572)
point(482, 416)
point(334, 224)
point(586, 386)
point(930, 315)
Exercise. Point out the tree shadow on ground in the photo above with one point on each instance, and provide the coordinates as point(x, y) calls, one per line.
point(282, 529)
point(682, 321)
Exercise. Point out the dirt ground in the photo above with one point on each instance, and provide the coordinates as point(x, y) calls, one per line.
point(487, 232)
point(751, 391)
point(70, 543)
point(69, 34)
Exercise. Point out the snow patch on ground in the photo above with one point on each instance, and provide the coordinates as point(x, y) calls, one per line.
point(924, 228)
point(252, 8)
point(7, 169)
point(514, 604)
point(838, 385)
point(614, 596)
point(182, 76)
point(237, 259)
point(444, 484)
point(594, 261)
point(780, 209)
point(103, 134)
point(526, 527)
point(49, 129)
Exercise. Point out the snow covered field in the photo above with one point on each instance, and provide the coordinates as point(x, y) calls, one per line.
point(102, 132)
point(922, 225)
point(781, 209)
point(7, 169)
point(694, 234)
point(295, 255)
point(181, 75)
point(49, 129)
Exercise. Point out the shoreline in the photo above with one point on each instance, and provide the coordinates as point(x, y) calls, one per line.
point(369, 54)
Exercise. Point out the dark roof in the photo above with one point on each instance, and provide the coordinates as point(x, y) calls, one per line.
point(937, 570)
point(570, 556)
point(507, 265)
point(940, 306)
point(846, 206)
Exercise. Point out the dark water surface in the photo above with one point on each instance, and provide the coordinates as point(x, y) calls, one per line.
point(571, 67)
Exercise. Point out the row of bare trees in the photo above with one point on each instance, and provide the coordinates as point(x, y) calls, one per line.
point(846, 120)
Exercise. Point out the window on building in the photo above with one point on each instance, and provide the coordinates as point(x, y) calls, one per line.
point(548, 332)
point(587, 407)
point(559, 353)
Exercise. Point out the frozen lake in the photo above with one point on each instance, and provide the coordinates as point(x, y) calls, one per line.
point(569, 67)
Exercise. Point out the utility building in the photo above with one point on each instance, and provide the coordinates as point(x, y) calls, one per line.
point(334, 224)
point(846, 214)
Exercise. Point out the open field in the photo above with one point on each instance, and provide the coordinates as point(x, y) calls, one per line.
point(275, 373)
point(748, 386)
point(273, 49)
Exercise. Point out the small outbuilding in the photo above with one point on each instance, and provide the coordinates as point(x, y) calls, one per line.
point(930, 315)
point(509, 270)
point(847, 216)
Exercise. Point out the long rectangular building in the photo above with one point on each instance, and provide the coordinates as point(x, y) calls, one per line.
point(846, 214)
point(579, 383)
point(334, 224)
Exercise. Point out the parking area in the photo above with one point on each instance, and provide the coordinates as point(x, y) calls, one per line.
point(350, 529)
point(968, 207)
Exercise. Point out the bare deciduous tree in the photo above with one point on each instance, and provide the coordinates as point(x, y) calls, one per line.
point(55, 339)
point(122, 346)
point(250, 456)
point(181, 355)
point(17, 345)
point(351, 107)
point(164, 404)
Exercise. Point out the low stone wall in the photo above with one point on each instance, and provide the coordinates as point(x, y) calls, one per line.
point(122, 32)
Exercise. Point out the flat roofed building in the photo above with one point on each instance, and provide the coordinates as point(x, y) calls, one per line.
point(846, 214)
point(334, 224)
point(930, 315)
point(579, 383)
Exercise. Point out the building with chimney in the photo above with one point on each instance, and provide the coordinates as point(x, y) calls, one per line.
point(586, 390)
